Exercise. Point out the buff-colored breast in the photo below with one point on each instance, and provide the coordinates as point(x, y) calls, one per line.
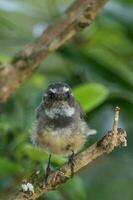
point(61, 142)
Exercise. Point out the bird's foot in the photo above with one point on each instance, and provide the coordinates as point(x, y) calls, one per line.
point(48, 171)
point(71, 162)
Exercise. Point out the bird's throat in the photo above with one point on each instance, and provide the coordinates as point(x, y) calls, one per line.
point(60, 111)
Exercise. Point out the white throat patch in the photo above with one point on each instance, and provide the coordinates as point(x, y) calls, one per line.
point(63, 110)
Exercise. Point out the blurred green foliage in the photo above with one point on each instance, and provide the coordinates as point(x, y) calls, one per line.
point(90, 95)
point(98, 64)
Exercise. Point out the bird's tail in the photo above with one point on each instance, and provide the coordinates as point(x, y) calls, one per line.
point(92, 132)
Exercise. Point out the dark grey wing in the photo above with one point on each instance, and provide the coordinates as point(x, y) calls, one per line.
point(81, 111)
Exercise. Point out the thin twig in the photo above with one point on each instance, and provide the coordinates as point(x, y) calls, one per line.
point(116, 119)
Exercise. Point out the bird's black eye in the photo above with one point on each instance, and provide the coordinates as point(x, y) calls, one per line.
point(51, 95)
point(67, 94)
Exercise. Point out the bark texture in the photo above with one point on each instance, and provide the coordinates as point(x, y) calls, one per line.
point(80, 14)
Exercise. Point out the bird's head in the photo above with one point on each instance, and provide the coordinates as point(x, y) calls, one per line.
point(58, 93)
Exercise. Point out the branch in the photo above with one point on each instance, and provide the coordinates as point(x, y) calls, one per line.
point(114, 138)
point(78, 16)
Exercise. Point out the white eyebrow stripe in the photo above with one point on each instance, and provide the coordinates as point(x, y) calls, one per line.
point(54, 90)
point(65, 89)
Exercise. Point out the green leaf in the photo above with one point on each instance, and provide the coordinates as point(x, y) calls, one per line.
point(75, 188)
point(91, 95)
point(115, 64)
point(7, 167)
point(37, 154)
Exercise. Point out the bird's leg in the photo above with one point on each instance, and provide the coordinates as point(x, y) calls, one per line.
point(48, 170)
point(71, 162)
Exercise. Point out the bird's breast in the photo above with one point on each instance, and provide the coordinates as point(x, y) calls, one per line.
point(61, 141)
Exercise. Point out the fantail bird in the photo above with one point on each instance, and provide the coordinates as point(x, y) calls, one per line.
point(61, 128)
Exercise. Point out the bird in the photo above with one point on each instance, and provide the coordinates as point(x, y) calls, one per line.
point(60, 123)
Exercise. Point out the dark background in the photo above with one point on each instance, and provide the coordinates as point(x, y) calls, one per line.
point(98, 64)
